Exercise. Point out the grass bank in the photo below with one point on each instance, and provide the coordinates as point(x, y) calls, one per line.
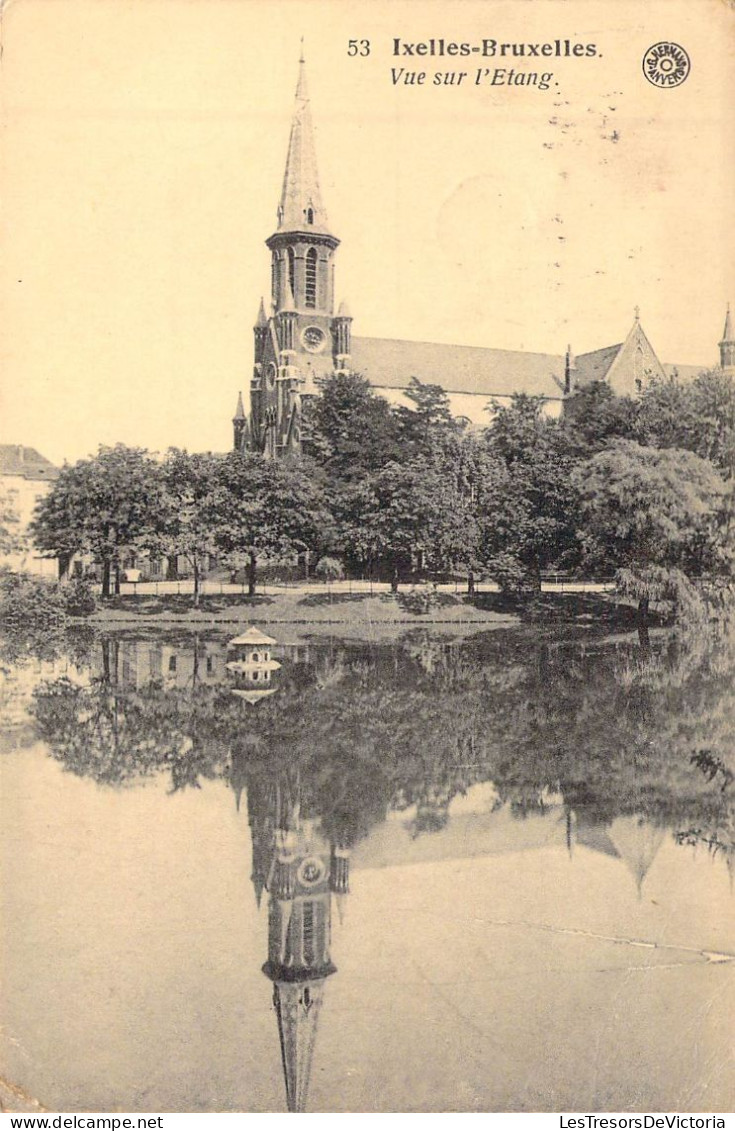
point(376, 615)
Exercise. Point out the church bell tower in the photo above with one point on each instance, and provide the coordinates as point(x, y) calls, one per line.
point(302, 340)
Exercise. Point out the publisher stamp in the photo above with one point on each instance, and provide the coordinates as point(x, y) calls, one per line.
point(666, 64)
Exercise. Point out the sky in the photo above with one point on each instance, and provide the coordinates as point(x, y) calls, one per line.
point(143, 149)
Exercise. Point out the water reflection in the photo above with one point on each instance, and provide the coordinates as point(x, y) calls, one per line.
point(303, 875)
point(347, 757)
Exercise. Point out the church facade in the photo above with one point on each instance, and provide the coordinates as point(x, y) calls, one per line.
point(306, 337)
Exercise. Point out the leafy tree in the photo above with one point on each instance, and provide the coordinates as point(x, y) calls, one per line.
point(269, 508)
point(697, 415)
point(348, 429)
point(329, 569)
point(594, 416)
point(191, 508)
point(28, 602)
point(650, 512)
point(527, 508)
point(428, 428)
point(100, 506)
point(409, 516)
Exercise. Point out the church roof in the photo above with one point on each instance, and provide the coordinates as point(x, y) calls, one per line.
point(687, 372)
point(301, 192)
point(594, 366)
point(727, 332)
point(15, 459)
point(391, 363)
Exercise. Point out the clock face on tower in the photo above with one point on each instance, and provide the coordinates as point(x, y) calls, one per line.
point(311, 871)
point(313, 339)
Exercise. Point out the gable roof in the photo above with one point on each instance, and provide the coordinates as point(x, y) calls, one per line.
point(595, 366)
point(390, 363)
point(15, 459)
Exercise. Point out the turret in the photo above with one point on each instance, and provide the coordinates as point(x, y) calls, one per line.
point(287, 318)
point(260, 333)
point(727, 346)
point(239, 425)
point(342, 337)
point(570, 370)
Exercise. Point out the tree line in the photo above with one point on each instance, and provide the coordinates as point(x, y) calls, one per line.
point(643, 486)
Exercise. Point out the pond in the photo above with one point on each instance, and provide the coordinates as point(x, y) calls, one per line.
point(491, 874)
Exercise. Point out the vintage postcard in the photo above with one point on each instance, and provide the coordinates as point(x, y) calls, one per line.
point(366, 557)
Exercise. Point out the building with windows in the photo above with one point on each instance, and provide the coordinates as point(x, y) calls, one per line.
point(306, 336)
point(25, 478)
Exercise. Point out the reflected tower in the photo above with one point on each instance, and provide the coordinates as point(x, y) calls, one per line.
point(305, 873)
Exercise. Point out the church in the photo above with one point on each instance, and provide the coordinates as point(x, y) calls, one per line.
point(302, 340)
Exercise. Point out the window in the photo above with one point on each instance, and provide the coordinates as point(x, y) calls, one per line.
point(309, 933)
point(274, 279)
point(291, 270)
point(309, 215)
point(172, 663)
point(311, 278)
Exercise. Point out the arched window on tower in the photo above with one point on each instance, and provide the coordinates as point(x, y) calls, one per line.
point(311, 277)
point(309, 215)
point(274, 280)
point(291, 272)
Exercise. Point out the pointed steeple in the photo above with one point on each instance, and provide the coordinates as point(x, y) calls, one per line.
point(727, 346)
point(261, 320)
point(297, 1006)
point(239, 427)
point(301, 208)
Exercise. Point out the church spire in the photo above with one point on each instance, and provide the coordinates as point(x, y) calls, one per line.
point(301, 208)
point(297, 1006)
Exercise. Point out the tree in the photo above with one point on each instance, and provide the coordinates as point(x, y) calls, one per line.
point(654, 513)
point(270, 508)
point(409, 516)
point(594, 416)
point(527, 507)
point(348, 429)
point(428, 428)
point(191, 508)
point(697, 415)
point(100, 506)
